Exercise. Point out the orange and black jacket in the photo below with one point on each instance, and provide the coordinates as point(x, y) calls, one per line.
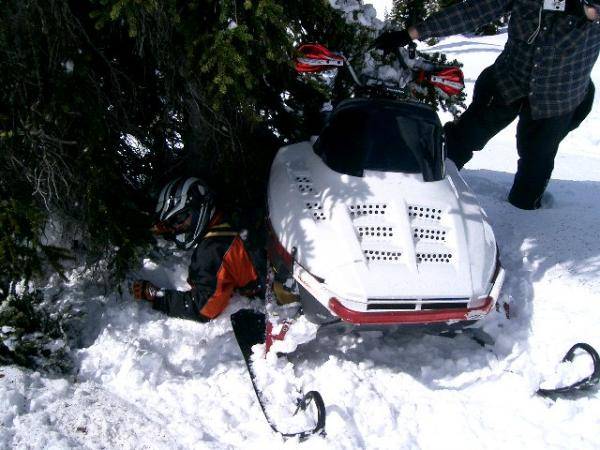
point(220, 264)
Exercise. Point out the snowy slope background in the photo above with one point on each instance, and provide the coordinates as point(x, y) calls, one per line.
point(144, 380)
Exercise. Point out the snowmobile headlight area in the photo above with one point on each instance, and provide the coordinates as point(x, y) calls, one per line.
point(414, 317)
point(495, 286)
point(479, 302)
point(420, 310)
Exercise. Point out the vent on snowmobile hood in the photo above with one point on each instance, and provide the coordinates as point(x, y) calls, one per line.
point(383, 135)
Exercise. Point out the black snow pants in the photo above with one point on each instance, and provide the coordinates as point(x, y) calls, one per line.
point(537, 140)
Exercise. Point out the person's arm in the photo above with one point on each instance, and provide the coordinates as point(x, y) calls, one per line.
point(236, 271)
point(185, 305)
point(460, 18)
point(203, 277)
point(217, 269)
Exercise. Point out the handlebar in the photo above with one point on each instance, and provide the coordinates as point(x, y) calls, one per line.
point(317, 58)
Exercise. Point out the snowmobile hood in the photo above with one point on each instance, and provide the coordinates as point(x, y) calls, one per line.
point(383, 235)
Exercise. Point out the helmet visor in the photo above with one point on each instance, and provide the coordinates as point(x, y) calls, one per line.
point(177, 224)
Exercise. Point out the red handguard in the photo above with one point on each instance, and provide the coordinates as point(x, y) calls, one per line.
point(450, 80)
point(316, 58)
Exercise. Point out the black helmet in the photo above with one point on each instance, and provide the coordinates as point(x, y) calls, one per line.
point(184, 209)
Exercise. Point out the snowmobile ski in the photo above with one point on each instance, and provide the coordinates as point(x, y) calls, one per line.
point(581, 385)
point(249, 329)
point(476, 334)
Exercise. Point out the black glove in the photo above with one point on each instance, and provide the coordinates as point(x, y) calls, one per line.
point(144, 290)
point(391, 40)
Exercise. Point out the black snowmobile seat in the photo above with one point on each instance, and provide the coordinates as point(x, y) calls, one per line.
point(383, 135)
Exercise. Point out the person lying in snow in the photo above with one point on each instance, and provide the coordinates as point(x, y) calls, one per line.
point(220, 263)
point(542, 77)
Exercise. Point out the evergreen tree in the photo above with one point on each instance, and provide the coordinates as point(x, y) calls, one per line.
point(102, 101)
point(410, 12)
point(446, 3)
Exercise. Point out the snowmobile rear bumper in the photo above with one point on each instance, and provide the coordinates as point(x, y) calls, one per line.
point(413, 317)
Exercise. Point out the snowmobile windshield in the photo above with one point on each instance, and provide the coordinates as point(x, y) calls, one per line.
point(383, 135)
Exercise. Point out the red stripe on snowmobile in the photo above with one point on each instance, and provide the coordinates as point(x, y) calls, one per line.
point(413, 317)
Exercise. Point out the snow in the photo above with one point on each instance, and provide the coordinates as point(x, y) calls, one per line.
point(300, 332)
point(68, 65)
point(355, 11)
point(144, 380)
point(135, 144)
point(382, 7)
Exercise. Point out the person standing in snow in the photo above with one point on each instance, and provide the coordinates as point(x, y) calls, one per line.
point(220, 264)
point(542, 76)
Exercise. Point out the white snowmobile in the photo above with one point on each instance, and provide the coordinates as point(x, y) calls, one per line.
point(370, 224)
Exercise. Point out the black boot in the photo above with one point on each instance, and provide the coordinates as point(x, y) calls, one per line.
point(525, 197)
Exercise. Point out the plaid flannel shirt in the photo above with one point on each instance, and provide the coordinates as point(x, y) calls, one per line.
point(552, 69)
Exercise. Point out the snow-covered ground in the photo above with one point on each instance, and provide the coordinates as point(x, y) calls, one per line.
point(147, 381)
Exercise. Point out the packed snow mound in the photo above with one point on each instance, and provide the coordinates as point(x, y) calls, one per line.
point(144, 380)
